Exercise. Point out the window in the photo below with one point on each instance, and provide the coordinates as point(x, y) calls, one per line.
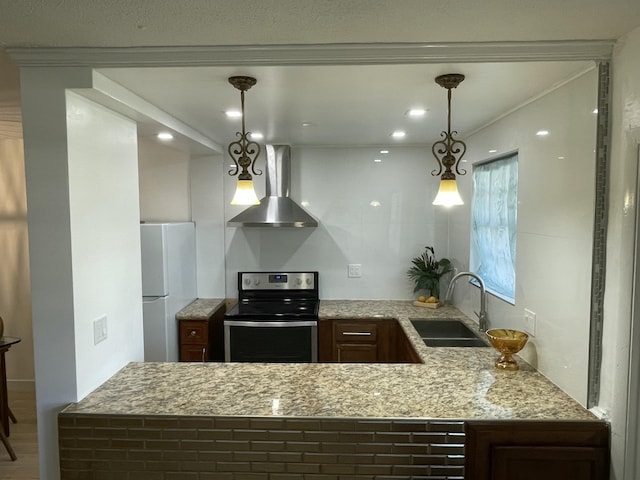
point(493, 225)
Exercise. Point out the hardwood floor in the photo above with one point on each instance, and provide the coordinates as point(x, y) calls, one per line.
point(23, 438)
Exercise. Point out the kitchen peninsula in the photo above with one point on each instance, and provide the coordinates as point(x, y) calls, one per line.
point(323, 421)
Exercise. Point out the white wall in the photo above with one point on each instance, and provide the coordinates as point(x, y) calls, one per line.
point(69, 193)
point(623, 212)
point(208, 213)
point(105, 246)
point(555, 228)
point(164, 183)
point(338, 185)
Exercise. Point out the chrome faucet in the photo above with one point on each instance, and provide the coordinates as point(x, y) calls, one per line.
point(482, 315)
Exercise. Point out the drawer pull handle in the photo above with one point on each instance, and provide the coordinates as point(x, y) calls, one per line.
point(204, 350)
point(357, 334)
point(193, 333)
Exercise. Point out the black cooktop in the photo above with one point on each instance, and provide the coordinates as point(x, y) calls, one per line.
point(275, 309)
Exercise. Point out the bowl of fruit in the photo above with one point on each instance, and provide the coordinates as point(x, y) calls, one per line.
point(427, 302)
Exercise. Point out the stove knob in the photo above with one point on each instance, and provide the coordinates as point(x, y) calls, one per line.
point(309, 281)
point(299, 281)
point(256, 282)
point(247, 281)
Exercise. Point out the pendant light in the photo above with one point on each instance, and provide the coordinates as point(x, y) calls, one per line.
point(244, 152)
point(448, 151)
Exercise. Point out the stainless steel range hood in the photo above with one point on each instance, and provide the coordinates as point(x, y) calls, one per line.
point(276, 209)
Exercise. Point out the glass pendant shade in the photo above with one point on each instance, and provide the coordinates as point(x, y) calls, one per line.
point(448, 195)
point(245, 194)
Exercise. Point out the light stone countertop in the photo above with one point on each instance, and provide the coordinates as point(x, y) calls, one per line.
point(200, 309)
point(452, 383)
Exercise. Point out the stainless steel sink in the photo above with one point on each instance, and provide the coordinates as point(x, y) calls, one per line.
point(446, 333)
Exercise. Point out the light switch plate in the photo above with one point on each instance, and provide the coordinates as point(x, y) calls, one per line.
point(530, 322)
point(100, 329)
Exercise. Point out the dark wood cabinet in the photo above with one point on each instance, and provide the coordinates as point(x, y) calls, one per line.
point(532, 450)
point(357, 342)
point(202, 339)
point(405, 353)
point(363, 341)
point(194, 341)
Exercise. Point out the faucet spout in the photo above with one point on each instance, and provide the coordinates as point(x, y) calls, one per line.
point(482, 315)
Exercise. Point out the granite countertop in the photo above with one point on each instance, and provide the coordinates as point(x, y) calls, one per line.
point(200, 309)
point(452, 383)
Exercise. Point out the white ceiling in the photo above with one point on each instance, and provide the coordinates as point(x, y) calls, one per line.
point(345, 105)
point(358, 105)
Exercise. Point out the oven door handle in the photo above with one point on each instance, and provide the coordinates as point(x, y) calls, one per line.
point(249, 323)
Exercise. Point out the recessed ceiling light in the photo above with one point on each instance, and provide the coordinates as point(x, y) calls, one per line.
point(595, 110)
point(384, 151)
point(307, 124)
point(166, 136)
point(416, 112)
point(377, 160)
point(542, 133)
point(560, 158)
point(257, 136)
point(233, 113)
point(398, 134)
point(493, 151)
point(375, 203)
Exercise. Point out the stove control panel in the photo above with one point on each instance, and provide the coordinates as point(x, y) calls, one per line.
point(277, 280)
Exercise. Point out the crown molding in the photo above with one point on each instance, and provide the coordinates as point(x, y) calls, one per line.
point(324, 54)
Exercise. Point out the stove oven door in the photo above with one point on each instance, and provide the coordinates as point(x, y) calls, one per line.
point(280, 341)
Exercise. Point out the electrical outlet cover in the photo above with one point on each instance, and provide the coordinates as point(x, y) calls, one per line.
point(355, 270)
point(530, 322)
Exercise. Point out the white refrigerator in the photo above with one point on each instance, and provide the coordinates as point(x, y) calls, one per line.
point(168, 284)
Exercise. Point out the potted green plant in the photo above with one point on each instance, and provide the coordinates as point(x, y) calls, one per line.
point(427, 271)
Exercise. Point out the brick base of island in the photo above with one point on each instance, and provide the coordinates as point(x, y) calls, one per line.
point(452, 417)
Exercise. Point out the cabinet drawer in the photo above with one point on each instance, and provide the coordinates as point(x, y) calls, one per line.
point(194, 332)
point(356, 332)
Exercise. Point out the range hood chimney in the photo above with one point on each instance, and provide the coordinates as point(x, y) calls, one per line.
point(276, 209)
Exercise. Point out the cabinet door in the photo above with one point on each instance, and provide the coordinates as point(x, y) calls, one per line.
point(357, 352)
point(549, 463)
point(532, 450)
point(194, 353)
